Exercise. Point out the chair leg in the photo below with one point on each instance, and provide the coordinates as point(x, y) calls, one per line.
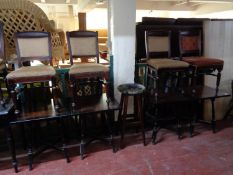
point(123, 103)
point(107, 85)
point(72, 87)
point(140, 116)
point(1, 96)
point(155, 132)
point(55, 93)
point(218, 79)
point(14, 97)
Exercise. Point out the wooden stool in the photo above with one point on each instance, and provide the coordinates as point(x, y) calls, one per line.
point(135, 90)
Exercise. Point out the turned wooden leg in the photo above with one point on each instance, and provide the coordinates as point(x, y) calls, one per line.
point(213, 120)
point(218, 79)
point(1, 96)
point(11, 146)
point(140, 115)
point(123, 117)
point(55, 93)
point(14, 97)
point(108, 93)
point(72, 87)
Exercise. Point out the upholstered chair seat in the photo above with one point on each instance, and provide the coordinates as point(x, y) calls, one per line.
point(201, 62)
point(30, 73)
point(88, 68)
point(164, 63)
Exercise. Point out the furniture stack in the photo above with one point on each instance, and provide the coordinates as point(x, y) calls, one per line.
point(172, 52)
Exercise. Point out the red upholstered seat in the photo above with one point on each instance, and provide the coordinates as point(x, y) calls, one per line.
point(202, 62)
point(191, 44)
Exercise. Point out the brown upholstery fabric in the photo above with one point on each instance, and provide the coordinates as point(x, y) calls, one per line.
point(203, 61)
point(87, 68)
point(164, 63)
point(31, 72)
point(189, 43)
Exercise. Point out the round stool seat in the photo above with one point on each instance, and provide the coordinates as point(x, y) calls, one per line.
point(131, 88)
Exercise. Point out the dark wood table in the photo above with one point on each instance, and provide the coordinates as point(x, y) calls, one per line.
point(44, 110)
point(207, 93)
point(6, 113)
point(189, 95)
point(95, 105)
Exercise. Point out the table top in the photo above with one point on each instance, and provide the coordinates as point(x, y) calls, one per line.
point(205, 92)
point(46, 110)
point(190, 93)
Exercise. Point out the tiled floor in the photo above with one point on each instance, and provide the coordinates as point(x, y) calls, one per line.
point(205, 153)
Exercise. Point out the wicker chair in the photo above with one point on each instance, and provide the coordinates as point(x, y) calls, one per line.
point(23, 15)
point(3, 71)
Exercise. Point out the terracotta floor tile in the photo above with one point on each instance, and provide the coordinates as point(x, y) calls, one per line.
point(205, 153)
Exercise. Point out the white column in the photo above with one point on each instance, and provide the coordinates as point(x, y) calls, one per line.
point(122, 21)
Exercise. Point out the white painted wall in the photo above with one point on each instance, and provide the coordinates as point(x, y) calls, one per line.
point(219, 44)
point(123, 17)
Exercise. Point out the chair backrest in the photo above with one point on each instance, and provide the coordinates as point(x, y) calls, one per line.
point(158, 44)
point(33, 46)
point(2, 48)
point(82, 44)
point(190, 43)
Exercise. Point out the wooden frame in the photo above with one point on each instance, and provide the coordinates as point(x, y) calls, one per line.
point(12, 79)
point(190, 33)
point(33, 35)
point(157, 33)
point(82, 34)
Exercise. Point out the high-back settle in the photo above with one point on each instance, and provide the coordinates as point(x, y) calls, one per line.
point(164, 24)
point(23, 15)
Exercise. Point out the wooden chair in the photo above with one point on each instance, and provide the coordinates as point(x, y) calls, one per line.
point(32, 46)
point(84, 44)
point(158, 53)
point(164, 75)
point(190, 43)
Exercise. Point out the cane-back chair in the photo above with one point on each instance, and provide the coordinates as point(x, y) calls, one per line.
point(32, 46)
point(3, 70)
